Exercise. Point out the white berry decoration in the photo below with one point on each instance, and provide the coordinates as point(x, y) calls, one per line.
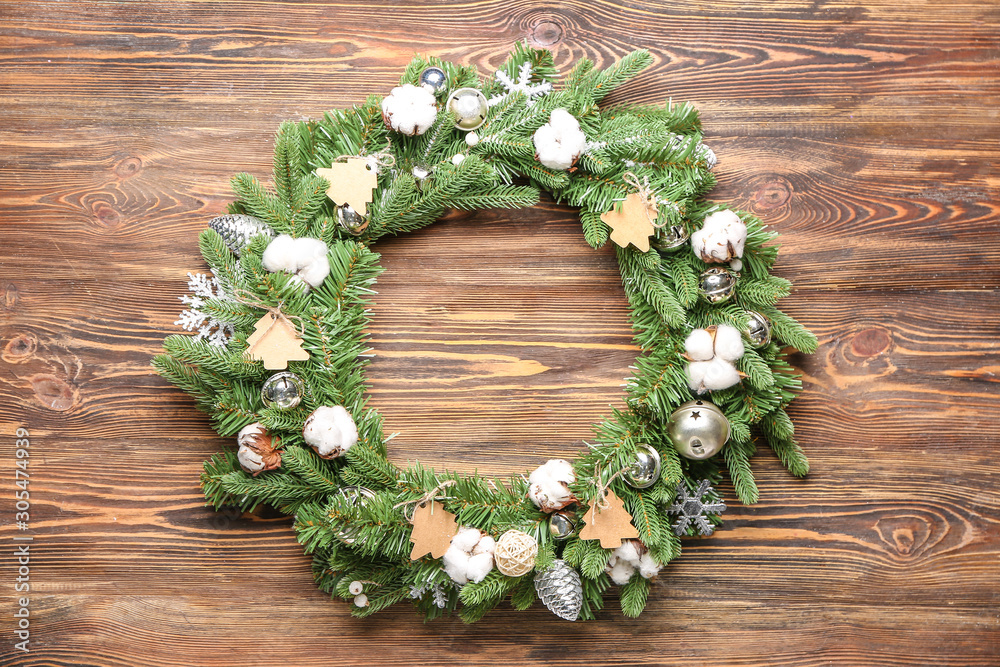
point(409, 109)
point(720, 239)
point(559, 142)
point(330, 431)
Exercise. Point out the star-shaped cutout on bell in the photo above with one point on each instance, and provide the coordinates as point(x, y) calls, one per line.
point(632, 222)
point(695, 414)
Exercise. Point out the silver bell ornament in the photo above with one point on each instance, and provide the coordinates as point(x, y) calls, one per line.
point(434, 79)
point(670, 237)
point(356, 495)
point(698, 429)
point(561, 525)
point(351, 220)
point(646, 469)
point(422, 175)
point(560, 589)
point(282, 390)
point(717, 285)
point(469, 106)
point(759, 329)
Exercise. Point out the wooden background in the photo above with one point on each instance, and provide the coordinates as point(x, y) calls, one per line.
point(866, 133)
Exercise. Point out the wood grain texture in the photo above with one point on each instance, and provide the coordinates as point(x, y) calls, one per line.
point(866, 133)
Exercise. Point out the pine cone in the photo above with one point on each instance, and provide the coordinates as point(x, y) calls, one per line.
point(237, 230)
point(560, 590)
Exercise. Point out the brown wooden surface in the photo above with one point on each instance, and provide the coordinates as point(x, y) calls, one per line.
point(866, 133)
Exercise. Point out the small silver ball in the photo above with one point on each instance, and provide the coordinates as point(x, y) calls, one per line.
point(646, 469)
point(759, 329)
point(561, 527)
point(670, 237)
point(470, 108)
point(282, 390)
point(698, 429)
point(434, 79)
point(351, 220)
point(717, 285)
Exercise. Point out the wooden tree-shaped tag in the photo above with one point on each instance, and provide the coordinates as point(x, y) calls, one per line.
point(433, 528)
point(351, 183)
point(275, 342)
point(611, 523)
point(633, 222)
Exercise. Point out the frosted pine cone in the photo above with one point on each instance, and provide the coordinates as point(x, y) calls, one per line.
point(559, 588)
point(237, 230)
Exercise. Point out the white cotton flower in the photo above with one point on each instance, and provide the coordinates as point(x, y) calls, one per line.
point(409, 109)
point(469, 556)
point(549, 485)
point(728, 342)
point(305, 258)
point(630, 557)
point(711, 352)
point(721, 237)
point(559, 142)
point(699, 345)
point(330, 431)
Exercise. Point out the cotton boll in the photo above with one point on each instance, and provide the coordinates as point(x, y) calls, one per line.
point(250, 460)
point(696, 373)
point(549, 485)
point(456, 565)
point(699, 346)
point(721, 237)
point(330, 431)
point(316, 271)
point(487, 545)
point(559, 142)
point(648, 567)
point(728, 342)
point(280, 254)
point(466, 539)
point(621, 572)
point(409, 109)
point(479, 566)
point(629, 551)
point(720, 374)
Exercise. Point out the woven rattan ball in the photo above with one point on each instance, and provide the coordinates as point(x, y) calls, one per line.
point(515, 553)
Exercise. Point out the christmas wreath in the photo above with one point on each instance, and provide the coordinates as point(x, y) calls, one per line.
point(280, 345)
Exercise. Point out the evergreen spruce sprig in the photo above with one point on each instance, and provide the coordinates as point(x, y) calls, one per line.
point(351, 513)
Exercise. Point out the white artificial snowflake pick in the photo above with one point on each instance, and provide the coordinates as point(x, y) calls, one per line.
point(522, 85)
point(208, 328)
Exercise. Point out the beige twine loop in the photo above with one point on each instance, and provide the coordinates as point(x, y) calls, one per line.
point(602, 490)
point(427, 497)
point(646, 192)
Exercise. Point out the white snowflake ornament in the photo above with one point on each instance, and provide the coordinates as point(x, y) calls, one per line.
point(209, 328)
point(409, 109)
point(522, 85)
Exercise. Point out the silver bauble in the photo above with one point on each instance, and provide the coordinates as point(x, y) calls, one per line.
point(646, 469)
point(559, 588)
point(237, 230)
point(282, 390)
point(717, 285)
point(670, 237)
point(469, 106)
point(759, 329)
point(561, 526)
point(422, 175)
point(698, 429)
point(356, 495)
point(351, 220)
point(434, 79)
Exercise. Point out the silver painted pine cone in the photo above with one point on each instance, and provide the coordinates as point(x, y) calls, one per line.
point(560, 590)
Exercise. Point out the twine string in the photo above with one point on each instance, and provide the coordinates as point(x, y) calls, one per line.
point(427, 497)
point(293, 321)
point(646, 193)
point(602, 490)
